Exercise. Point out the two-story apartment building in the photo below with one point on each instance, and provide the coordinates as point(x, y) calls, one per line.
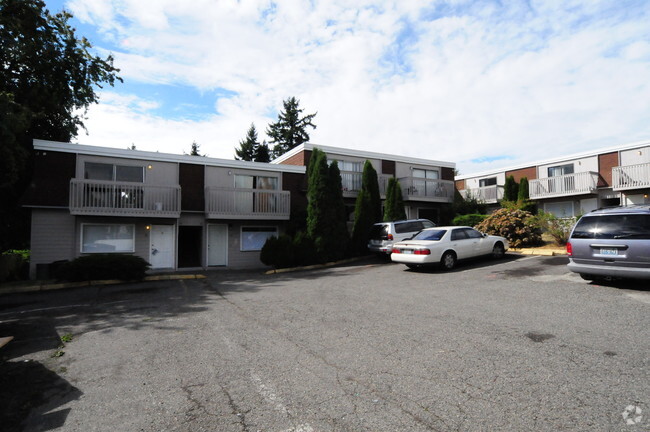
point(175, 211)
point(574, 184)
point(427, 185)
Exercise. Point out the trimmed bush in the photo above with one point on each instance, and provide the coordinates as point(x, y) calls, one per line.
point(469, 219)
point(14, 265)
point(278, 252)
point(518, 226)
point(103, 266)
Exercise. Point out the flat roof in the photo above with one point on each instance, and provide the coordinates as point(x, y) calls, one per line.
point(64, 147)
point(361, 154)
point(556, 159)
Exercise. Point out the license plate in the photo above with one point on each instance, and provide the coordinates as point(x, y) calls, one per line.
point(407, 251)
point(609, 251)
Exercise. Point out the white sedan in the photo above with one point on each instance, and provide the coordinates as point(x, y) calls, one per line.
point(446, 245)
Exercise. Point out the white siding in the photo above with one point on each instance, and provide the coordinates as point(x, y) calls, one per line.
point(632, 157)
point(579, 165)
point(248, 259)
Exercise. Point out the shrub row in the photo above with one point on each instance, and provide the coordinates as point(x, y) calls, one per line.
point(469, 219)
point(103, 266)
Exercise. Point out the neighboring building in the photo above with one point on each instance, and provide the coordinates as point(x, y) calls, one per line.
point(574, 184)
point(175, 211)
point(427, 185)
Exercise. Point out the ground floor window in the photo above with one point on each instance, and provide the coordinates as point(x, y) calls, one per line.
point(560, 209)
point(106, 238)
point(253, 238)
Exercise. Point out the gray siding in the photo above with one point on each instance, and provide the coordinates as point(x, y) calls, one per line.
point(53, 237)
point(245, 259)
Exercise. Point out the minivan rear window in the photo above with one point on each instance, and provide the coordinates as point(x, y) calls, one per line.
point(379, 232)
point(621, 226)
point(405, 227)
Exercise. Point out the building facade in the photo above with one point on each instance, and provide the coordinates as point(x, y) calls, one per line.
point(574, 184)
point(427, 185)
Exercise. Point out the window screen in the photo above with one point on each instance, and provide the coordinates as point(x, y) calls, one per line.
point(103, 238)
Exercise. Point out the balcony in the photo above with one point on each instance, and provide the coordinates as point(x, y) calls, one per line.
point(351, 183)
point(564, 185)
point(249, 204)
point(106, 198)
point(434, 190)
point(486, 194)
point(631, 176)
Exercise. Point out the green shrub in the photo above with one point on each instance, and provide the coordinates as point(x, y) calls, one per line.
point(103, 266)
point(558, 228)
point(278, 252)
point(469, 219)
point(304, 250)
point(14, 265)
point(518, 226)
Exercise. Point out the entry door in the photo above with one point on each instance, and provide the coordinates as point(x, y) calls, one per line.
point(161, 252)
point(217, 245)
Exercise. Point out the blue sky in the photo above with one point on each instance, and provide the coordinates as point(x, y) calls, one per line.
point(482, 84)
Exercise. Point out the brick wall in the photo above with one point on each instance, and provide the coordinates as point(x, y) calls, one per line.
point(530, 173)
point(606, 162)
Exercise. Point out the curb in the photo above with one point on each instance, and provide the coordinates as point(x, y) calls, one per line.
point(315, 266)
point(63, 285)
point(540, 252)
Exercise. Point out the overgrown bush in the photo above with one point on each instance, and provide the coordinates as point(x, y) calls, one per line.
point(278, 252)
point(103, 266)
point(14, 265)
point(558, 228)
point(469, 219)
point(518, 226)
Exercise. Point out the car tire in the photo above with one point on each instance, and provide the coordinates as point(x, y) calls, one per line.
point(448, 260)
point(498, 251)
point(413, 266)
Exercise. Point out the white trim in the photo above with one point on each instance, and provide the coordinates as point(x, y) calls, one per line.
point(207, 244)
point(241, 232)
point(362, 154)
point(44, 145)
point(568, 158)
point(81, 238)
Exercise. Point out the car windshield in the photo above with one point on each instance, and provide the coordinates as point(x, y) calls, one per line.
point(430, 235)
point(628, 226)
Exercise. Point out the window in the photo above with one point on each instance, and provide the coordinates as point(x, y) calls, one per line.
point(253, 238)
point(560, 170)
point(103, 238)
point(347, 165)
point(560, 209)
point(110, 172)
point(491, 181)
point(458, 234)
point(423, 173)
point(472, 233)
point(255, 182)
point(434, 235)
point(614, 227)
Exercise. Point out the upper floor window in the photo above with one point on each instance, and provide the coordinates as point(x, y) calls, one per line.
point(424, 173)
point(256, 182)
point(347, 165)
point(560, 170)
point(111, 172)
point(491, 181)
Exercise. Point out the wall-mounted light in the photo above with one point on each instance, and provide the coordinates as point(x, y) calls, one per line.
point(148, 227)
point(149, 166)
point(229, 172)
point(645, 195)
point(640, 152)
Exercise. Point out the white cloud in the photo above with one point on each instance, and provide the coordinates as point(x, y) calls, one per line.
point(525, 81)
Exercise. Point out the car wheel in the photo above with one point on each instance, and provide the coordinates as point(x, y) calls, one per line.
point(413, 266)
point(498, 251)
point(448, 260)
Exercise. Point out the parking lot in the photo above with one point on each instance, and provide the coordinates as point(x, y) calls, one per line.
point(515, 345)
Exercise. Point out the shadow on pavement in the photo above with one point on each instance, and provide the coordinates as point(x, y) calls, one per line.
point(30, 394)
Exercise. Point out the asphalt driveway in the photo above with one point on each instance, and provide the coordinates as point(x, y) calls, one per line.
point(521, 344)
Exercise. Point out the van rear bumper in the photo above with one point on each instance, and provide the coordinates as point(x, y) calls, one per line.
point(616, 272)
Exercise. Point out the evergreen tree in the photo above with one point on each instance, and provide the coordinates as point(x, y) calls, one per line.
point(370, 183)
point(394, 205)
point(262, 153)
point(248, 146)
point(398, 209)
point(291, 128)
point(317, 194)
point(338, 237)
point(362, 223)
point(194, 150)
point(523, 189)
point(510, 189)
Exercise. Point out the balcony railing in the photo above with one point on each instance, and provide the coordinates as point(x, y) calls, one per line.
point(414, 188)
point(487, 194)
point(351, 183)
point(564, 185)
point(229, 203)
point(105, 198)
point(631, 176)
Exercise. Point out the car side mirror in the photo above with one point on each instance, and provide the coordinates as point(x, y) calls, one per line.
point(484, 234)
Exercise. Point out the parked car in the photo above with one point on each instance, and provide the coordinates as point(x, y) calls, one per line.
point(384, 234)
point(446, 245)
point(611, 243)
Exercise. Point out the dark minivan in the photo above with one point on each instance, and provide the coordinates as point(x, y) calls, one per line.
point(611, 243)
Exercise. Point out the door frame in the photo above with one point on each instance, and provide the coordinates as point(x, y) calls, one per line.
point(207, 244)
point(174, 246)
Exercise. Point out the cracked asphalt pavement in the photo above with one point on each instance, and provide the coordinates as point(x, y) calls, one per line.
point(515, 345)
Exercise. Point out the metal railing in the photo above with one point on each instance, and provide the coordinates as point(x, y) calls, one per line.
point(227, 203)
point(564, 185)
point(427, 189)
point(631, 176)
point(105, 198)
point(487, 194)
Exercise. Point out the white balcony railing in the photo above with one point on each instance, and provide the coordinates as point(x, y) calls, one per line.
point(228, 203)
point(351, 183)
point(564, 185)
point(631, 176)
point(487, 194)
point(105, 198)
point(414, 188)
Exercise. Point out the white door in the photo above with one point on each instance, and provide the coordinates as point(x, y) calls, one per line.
point(217, 245)
point(161, 252)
